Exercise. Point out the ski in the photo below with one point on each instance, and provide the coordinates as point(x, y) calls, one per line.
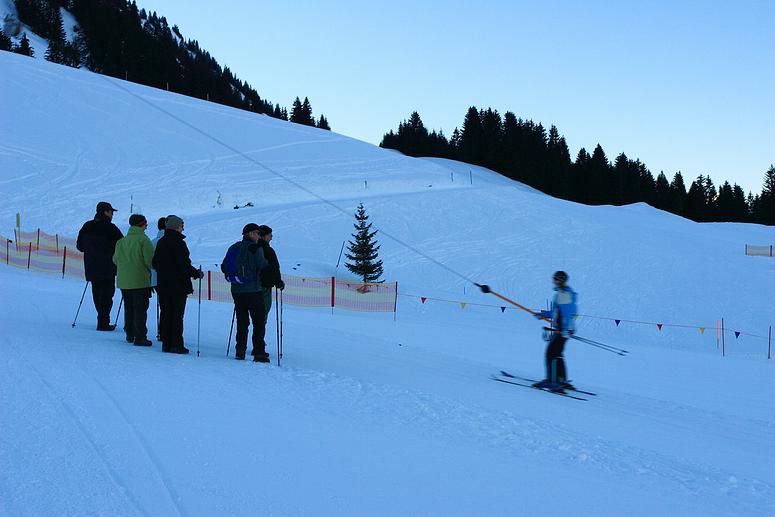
point(560, 393)
point(511, 376)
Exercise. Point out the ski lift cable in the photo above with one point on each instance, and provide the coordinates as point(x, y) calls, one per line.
point(117, 84)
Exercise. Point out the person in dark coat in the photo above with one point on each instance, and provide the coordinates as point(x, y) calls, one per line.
point(172, 263)
point(270, 276)
point(97, 241)
point(248, 296)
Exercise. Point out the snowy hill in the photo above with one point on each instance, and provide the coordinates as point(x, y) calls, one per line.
point(368, 415)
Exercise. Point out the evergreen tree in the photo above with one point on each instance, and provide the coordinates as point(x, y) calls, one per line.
point(323, 123)
point(24, 47)
point(306, 113)
point(363, 253)
point(5, 41)
point(297, 114)
point(662, 195)
point(766, 205)
point(678, 195)
point(695, 200)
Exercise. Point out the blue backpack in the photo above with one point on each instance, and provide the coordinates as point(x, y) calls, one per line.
point(235, 265)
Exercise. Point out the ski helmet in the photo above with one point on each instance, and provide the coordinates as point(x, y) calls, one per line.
point(562, 276)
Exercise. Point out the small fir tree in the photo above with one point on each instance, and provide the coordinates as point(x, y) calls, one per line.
point(24, 47)
point(363, 253)
point(5, 41)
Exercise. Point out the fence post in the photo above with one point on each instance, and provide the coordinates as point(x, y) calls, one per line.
point(7, 252)
point(333, 292)
point(56, 236)
point(395, 302)
point(64, 261)
point(209, 285)
point(38, 243)
point(29, 256)
point(769, 344)
point(723, 344)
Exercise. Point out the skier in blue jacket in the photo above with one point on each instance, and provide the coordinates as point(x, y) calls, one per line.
point(562, 317)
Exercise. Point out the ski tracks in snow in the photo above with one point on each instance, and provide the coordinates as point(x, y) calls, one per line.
point(508, 431)
point(139, 477)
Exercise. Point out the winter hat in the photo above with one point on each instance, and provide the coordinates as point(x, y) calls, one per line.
point(560, 276)
point(137, 220)
point(173, 222)
point(250, 227)
point(104, 205)
point(264, 230)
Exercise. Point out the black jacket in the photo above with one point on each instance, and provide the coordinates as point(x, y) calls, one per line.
point(97, 241)
point(270, 275)
point(173, 265)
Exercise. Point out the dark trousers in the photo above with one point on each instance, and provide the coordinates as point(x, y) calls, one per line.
point(136, 312)
point(173, 308)
point(250, 306)
point(102, 292)
point(555, 364)
point(267, 295)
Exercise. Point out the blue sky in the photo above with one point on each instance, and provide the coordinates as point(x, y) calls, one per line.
point(686, 86)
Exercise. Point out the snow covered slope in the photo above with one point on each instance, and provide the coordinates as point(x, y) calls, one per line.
point(367, 415)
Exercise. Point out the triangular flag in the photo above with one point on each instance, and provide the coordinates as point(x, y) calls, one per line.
point(503, 309)
point(617, 322)
point(462, 305)
point(659, 325)
point(702, 330)
point(423, 298)
point(737, 335)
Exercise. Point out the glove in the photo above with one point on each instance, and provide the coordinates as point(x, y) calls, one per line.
point(538, 316)
point(281, 285)
point(484, 287)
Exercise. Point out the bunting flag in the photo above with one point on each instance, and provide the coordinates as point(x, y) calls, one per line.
point(462, 305)
point(503, 309)
point(659, 325)
point(702, 330)
point(737, 334)
point(423, 298)
point(617, 322)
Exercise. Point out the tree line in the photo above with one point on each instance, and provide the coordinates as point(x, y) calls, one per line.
point(115, 38)
point(523, 150)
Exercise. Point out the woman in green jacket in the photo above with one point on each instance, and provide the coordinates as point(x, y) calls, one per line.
point(133, 257)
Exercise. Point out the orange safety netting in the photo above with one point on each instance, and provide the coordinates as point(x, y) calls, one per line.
point(39, 251)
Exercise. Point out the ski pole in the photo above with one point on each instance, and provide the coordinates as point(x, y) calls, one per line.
point(199, 311)
point(118, 312)
point(281, 323)
point(603, 346)
point(486, 289)
point(158, 319)
point(81, 302)
point(231, 329)
point(277, 322)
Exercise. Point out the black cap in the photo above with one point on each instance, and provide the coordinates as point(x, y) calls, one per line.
point(104, 205)
point(560, 276)
point(137, 220)
point(264, 230)
point(250, 227)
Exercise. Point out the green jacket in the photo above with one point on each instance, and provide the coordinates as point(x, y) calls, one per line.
point(133, 257)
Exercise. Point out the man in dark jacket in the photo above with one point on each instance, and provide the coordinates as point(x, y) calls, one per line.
point(172, 263)
point(270, 276)
point(248, 296)
point(97, 241)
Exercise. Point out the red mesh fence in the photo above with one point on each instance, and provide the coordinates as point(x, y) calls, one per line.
point(47, 253)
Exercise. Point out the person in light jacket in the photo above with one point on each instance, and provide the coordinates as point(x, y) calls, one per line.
point(132, 258)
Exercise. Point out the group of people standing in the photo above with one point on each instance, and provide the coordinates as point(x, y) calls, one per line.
point(139, 266)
